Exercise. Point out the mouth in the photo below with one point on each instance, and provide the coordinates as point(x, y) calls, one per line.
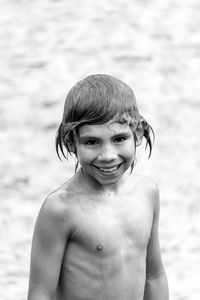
point(110, 169)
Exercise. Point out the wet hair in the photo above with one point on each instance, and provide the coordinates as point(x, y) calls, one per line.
point(99, 99)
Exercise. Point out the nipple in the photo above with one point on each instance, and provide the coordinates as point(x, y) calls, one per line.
point(99, 247)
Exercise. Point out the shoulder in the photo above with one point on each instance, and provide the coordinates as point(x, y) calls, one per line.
point(146, 182)
point(57, 207)
point(148, 187)
point(149, 184)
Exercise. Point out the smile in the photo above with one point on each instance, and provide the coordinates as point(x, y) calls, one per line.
point(109, 170)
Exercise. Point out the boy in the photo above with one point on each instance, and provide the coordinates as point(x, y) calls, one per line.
point(96, 237)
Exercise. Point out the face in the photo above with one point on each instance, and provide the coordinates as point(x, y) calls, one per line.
point(105, 151)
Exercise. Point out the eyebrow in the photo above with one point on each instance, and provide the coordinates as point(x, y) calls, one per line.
point(91, 137)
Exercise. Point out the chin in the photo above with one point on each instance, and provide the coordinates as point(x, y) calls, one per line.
point(108, 180)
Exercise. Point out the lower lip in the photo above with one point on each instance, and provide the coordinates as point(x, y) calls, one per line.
point(109, 172)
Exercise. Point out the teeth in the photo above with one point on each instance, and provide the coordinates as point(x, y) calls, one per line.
point(108, 170)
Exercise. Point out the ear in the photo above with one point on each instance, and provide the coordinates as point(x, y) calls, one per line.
point(139, 135)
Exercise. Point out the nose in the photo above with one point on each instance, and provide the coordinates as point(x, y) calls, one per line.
point(107, 154)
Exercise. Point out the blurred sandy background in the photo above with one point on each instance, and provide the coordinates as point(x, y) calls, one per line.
point(45, 47)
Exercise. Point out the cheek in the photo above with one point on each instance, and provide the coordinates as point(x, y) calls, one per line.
point(130, 149)
point(84, 155)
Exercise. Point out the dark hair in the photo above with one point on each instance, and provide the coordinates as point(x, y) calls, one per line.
point(98, 99)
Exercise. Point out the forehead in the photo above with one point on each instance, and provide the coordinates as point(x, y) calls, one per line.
point(103, 129)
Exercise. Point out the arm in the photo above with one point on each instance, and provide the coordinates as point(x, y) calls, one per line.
point(48, 246)
point(156, 287)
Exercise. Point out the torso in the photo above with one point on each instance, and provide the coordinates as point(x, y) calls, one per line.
point(106, 252)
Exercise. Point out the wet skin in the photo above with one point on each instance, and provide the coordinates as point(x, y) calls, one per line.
point(91, 236)
point(105, 153)
point(105, 256)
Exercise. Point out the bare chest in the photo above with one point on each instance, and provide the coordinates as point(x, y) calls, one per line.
point(108, 228)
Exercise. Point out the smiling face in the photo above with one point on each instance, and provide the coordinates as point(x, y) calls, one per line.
point(105, 151)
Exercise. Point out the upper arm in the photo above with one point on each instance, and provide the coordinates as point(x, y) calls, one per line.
point(154, 266)
point(51, 232)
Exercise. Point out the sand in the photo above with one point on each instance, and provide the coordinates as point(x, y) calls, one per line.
point(45, 47)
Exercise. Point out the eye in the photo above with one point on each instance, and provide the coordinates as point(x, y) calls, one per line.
point(91, 142)
point(120, 139)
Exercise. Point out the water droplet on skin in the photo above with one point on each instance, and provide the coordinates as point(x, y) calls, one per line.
point(74, 281)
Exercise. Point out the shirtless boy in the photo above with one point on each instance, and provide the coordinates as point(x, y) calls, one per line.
point(96, 237)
